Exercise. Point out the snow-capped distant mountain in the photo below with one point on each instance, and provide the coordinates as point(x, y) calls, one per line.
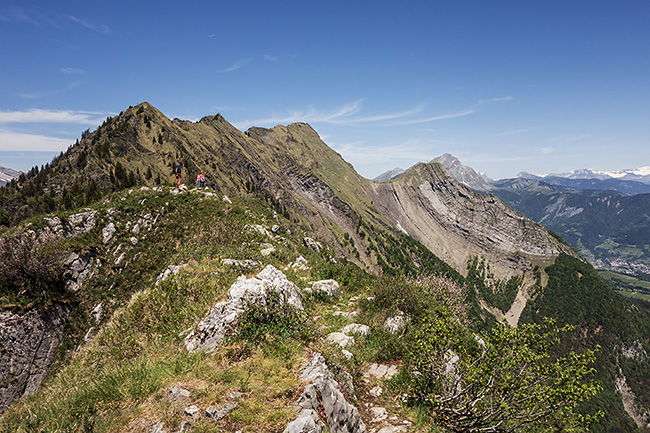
point(641, 174)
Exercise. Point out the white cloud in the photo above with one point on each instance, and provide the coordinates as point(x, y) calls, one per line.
point(99, 28)
point(237, 65)
point(513, 132)
point(31, 142)
point(310, 115)
point(270, 58)
point(569, 138)
point(50, 116)
point(546, 150)
point(72, 71)
point(438, 117)
point(360, 154)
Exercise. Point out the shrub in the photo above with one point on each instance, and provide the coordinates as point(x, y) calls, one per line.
point(272, 315)
point(31, 265)
point(508, 383)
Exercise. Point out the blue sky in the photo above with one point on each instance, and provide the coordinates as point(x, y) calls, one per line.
point(506, 86)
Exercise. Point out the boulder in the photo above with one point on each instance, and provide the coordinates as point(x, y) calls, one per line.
point(381, 371)
point(218, 413)
point(328, 287)
point(78, 268)
point(193, 411)
point(176, 393)
point(395, 324)
point(211, 331)
point(171, 270)
point(340, 339)
point(356, 328)
point(107, 233)
point(311, 244)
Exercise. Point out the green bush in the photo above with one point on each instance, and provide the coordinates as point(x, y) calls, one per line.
point(508, 383)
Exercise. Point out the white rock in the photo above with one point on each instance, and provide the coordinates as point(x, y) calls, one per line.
point(376, 391)
point(192, 411)
point(211, 331)
point(176, 392)
point(381, 371)
point(226, 199)
point(171, 270)
point(97, 312)
point(134, 240)
point(378, 414)
point(120, 258)
point(329, 287)
point(395, 324)
point(356, 328)
point(301, 264)
point(340, 339)
point(108, 232)
point(393, 429)
point(348, 355)
point(346, 314)
point(312, 244)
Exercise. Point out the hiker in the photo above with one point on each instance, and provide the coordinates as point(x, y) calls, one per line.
point(200, 180)
point(177, 172)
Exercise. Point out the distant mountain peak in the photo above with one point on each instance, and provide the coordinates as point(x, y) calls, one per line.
point(462, 173)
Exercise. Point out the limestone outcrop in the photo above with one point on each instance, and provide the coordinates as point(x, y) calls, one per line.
point(323, 404)
point(28, 344)
point(221, 320)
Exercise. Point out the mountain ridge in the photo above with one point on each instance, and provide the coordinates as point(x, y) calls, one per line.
point(287, 185)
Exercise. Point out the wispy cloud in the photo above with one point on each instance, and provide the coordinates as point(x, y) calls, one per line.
point(72, 71)
point(513, 132)
point(50, 93)
point(270, 58)
point(99, 28)
point(11, 141)
point(569, 138)
point(50, 116)
point(439, 117)
point(546, 150)
point(409, 150)
point(19, 15)
point(310, 115)
point(237, 65)
point(350, 115)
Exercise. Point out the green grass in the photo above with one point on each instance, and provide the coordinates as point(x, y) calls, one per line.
point(627, 285)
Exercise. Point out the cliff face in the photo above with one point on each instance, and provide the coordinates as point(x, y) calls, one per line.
point(456, 223)
point(28, 344)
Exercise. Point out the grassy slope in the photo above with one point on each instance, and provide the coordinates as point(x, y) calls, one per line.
point(119, 381)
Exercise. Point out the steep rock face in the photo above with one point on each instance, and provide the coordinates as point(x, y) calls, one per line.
point(456, 223)
point(28, 344)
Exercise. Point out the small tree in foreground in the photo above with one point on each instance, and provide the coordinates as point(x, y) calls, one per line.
point(510, 382)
